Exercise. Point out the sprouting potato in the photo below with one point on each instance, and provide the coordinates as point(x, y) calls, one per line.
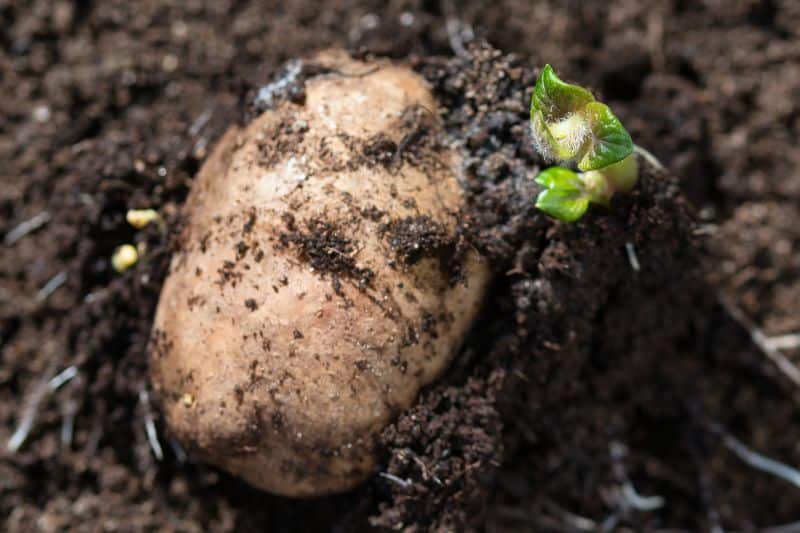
point(314, 291)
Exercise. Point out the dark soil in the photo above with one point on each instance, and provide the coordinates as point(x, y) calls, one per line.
point(584, 376)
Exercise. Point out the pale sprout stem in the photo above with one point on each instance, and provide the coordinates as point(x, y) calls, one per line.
point(150, 426)
point(649, 157)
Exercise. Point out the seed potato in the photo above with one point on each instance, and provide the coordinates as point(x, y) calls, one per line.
point(313, 294)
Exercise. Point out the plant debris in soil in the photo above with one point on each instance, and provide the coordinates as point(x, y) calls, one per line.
point(588, 390)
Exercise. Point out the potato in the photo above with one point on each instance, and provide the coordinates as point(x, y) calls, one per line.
point(311, 298)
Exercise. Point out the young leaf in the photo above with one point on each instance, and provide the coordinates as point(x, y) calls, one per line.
point(566, 205)
point(555, 98)
point(563, 196)
point(559, 178)
point(609, 142)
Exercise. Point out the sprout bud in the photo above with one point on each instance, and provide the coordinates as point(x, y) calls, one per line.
point(124, 257)
point(139, 218)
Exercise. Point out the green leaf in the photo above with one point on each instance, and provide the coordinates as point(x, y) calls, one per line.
point(566, 205)
point(564, 196)
point(559, 178)
point(555, 98)
point(609, 143)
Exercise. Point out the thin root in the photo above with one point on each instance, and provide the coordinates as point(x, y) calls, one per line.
point(63, 377)
point(26, 227)
point(150, 426)
point(396, 480)
point(755, 459)
point(51, 286)
point(790, 341)
point(633, 259)
point(762, 341)
point(39, 393)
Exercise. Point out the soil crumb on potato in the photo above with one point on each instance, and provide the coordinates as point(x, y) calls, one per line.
point(327, 250)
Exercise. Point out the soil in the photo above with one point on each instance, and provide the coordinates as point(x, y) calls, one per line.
point(584, 377)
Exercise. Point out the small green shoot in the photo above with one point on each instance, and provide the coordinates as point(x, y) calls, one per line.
point(570, 127)
point(564, 195)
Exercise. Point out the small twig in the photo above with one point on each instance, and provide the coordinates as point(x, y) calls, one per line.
point(26, 227)
point(150, 426)
point(51, 286)
point(755, 459)
point(201, 121)
point(405, 483)
point(40, 391)
point(629, 496)
point(69, 407)
point(639, 502)
point(790, 341)
point(759, 339)
point(632, 257)
point(63, 377)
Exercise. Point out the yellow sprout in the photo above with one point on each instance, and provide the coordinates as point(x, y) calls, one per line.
point(139, 218)
point(187, 399)
point(124, 257)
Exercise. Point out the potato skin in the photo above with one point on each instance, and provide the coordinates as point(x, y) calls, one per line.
point(283, 373)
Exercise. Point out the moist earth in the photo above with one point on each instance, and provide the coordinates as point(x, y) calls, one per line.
point(584, 375)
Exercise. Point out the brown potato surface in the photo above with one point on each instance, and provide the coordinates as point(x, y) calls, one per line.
point(313, 294)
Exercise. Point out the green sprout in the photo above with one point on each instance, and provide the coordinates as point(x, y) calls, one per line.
point(572, 128)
